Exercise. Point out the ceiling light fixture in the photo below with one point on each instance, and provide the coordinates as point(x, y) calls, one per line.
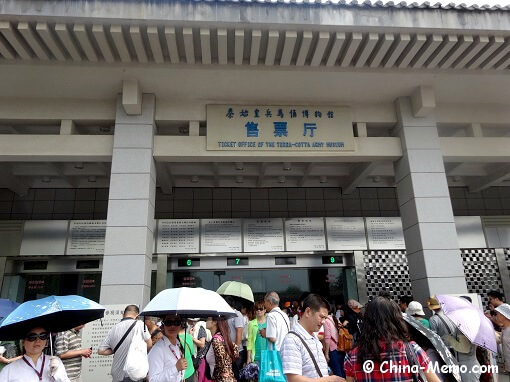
point(78, 165)
point(184, 130)
point(92, 179)
point(194, 179)
point(323, 179)
point(239, 166)
point(239, 179)
point(281, 179)
point(105, 129)
point(376, 179)
point(287, 166)
point(46, 179)
point(456, 179)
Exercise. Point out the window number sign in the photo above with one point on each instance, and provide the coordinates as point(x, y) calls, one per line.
point(236, 261)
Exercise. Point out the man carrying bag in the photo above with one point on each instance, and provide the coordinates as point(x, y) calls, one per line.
point(301, 351)
point(119, 340)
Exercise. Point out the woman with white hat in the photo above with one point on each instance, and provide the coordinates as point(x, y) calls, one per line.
point(415, 309)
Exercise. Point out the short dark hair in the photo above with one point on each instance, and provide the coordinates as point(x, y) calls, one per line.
point(405, 299)
point(315, 302)
point(303, 296)
point(495, 294)
point(467, 298)
point(156, 332)
point(131, 309)
point(259, 304)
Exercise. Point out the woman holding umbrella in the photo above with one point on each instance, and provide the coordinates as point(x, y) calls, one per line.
point(34, 365)
point(166, 358)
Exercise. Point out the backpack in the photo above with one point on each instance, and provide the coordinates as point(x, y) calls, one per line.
point(345, 340)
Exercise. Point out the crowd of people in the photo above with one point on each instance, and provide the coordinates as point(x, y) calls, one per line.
point(314, 340)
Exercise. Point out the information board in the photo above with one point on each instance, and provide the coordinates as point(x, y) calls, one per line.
point(178, 236)
point(221, 235)
point(346, 234)
point(86, 237)
point(385, 233)
point(97, 368)
point(305, 234)
point(263, 235)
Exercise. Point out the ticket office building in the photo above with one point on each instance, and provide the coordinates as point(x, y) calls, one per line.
point(107, 113)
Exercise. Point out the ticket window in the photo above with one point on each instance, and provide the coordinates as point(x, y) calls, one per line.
point(34, 286)
point(335, 284)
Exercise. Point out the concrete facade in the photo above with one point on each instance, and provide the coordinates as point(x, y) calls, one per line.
point(113, 96)
point(424, 201)
point(130, 223)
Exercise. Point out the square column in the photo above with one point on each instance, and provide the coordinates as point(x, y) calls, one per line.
point(130, 224)
point(435, 262)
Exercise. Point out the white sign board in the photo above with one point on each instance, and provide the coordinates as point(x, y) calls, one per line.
point(385, 233)
point(221, 235)
point(470, 232)
point(279, 128)
point(97, 368)
point(178, 236)
point(305, 234)
point(44, 237)
point(86, 237)
point(263, 235)
point(346, 234)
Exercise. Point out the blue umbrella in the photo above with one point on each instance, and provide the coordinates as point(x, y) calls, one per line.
point(53, 313)
point(7, 306)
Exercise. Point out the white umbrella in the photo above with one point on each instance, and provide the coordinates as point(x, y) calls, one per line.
point(188, 302)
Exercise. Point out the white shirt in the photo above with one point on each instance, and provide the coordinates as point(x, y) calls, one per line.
point(162, 362)
point(277, 327)
point(211, 359)
point(19, 371)
point(505, 345)
point(295, 357)
point(293, 321)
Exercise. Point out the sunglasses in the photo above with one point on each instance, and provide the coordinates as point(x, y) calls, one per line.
point(172, 323)
point(32, 337)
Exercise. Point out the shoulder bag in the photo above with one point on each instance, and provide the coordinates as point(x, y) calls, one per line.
point(124, 336)
point(137, 364)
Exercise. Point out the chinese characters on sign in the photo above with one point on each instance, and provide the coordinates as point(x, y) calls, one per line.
point(86, 237)
point(305, 234)
point(178, 236)
point(299, 128)
point(385, 233)
point(221, 235)
point(346, 234)
point(263, 235)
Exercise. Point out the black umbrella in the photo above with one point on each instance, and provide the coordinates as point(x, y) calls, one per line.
point(426, 337)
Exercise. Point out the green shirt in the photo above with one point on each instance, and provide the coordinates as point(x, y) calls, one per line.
point(188, 349)
point(425, 322)
point(260, 342)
